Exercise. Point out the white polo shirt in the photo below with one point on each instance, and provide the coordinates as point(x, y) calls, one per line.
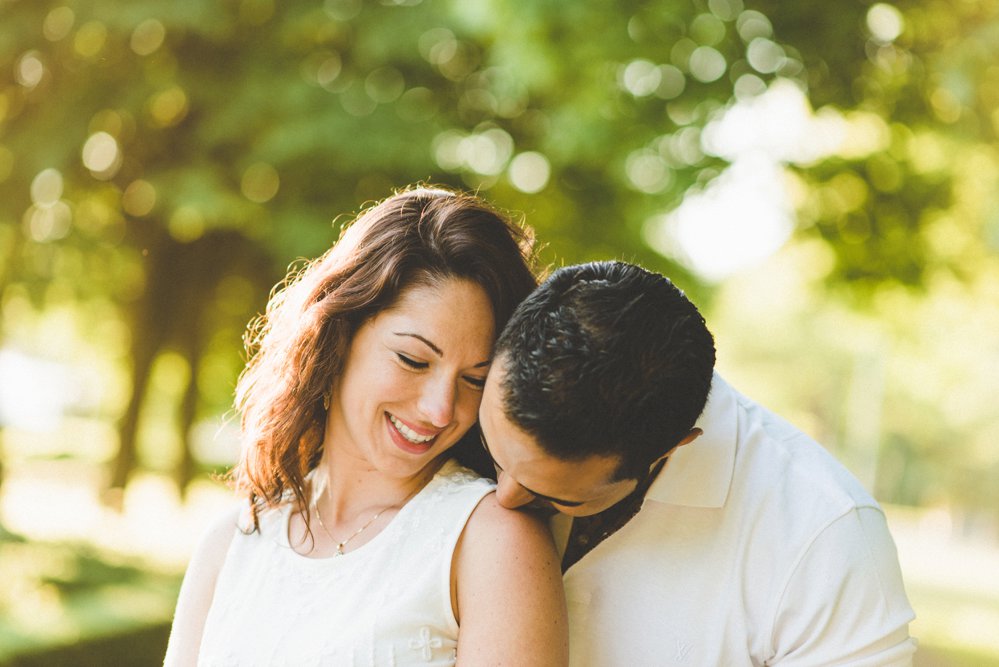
point(753, 547)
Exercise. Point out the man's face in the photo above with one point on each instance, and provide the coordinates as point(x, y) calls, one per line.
point(528, 475)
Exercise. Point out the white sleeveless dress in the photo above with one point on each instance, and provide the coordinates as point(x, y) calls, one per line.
point(385, 604)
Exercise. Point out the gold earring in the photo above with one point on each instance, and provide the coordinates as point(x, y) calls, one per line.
point(326, 400)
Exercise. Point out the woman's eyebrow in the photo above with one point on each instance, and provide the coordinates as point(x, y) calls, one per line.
point(437, 350)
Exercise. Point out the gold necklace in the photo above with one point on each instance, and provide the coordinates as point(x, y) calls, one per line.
point(341, 545)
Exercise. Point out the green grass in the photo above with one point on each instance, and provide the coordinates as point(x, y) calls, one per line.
point(67, 597)
point(136, 648)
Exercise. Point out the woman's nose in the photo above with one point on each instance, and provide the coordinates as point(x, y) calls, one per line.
point(437, 402)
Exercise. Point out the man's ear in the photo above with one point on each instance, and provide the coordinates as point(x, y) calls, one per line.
point(692, 435)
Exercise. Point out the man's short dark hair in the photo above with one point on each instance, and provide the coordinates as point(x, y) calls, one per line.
point(606, 358)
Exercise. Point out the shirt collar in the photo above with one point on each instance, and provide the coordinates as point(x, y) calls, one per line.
point(700, 474)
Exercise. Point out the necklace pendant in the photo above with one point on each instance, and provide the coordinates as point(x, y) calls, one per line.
point(339, 550)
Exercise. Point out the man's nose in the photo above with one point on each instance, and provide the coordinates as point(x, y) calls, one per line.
point(510, 494)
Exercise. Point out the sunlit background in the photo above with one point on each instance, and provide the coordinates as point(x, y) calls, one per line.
point(822, 178)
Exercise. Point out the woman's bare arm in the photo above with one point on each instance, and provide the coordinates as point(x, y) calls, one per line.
point(197, 591)
point(507, 583)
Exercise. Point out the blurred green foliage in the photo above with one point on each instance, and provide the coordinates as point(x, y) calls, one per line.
point(163, 161)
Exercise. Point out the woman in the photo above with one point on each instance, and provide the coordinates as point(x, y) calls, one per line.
point(362, 541)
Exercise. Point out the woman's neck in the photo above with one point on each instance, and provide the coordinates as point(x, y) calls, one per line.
point(346, 487)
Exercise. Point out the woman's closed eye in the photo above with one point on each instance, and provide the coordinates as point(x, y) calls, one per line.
point(411, 363)
point(476, 382)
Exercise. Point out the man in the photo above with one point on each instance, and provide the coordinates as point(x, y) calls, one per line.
point(705, 529)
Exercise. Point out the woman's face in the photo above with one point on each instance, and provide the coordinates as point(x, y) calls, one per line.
point(413, 378)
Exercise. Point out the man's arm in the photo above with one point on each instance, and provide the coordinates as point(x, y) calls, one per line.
point(844, 603)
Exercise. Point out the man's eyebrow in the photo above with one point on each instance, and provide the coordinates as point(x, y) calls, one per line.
point(539, 496)
point(439, 352)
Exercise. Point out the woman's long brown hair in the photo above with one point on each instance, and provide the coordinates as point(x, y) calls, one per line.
point(298, 346)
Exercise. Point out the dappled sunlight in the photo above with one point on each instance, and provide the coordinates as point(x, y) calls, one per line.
point(746, 213)
point(61, 508)
point(35, 392)
point(62, 593)
point(950, 578)
point(77, 568)
point(147, 37)
point(822, 181)
point(529, 172)
point(64, 503)
point(886, 391)
point(738, 220)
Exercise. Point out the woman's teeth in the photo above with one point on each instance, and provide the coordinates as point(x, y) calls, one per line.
point(409, 433)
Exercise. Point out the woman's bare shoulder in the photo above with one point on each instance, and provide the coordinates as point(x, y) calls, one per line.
point(219, 531)
point(198, 588)
point(509, 577)
point(494, 523)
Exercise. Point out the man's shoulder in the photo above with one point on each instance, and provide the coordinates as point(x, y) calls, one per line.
point(771, 450)
point(752, 461)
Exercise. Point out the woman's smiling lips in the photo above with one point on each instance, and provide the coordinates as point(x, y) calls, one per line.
point(409, 438)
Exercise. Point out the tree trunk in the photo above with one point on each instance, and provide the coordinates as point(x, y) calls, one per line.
point(145, 346)
point(186, 466)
